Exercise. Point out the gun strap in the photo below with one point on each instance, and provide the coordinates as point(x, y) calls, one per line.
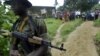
point(22, 24)
point(32, 25)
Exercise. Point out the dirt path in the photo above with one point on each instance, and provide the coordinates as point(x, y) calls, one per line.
point(80, 42)
point(57, 36)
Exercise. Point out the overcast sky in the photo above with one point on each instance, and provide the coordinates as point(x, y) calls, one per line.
point(46, 2)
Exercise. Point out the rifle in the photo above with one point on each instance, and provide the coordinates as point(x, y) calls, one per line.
point(35, 40)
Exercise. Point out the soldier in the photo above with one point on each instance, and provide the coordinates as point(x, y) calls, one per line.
point(20, 8)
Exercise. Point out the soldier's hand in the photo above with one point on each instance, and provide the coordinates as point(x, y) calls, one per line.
point(14, 53)
point(4, 32)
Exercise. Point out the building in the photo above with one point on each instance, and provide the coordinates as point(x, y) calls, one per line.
point(45, 11)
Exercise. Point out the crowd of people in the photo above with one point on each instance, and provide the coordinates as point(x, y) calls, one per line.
point(71, 15)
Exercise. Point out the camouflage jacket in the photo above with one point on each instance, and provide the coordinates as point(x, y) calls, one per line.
point(39, 31)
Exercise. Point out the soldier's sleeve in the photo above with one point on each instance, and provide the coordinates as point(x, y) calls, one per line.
point(42, 29)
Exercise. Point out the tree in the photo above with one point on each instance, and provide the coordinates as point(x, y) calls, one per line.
point(60, 8)
point(82, 5)
point(97, 6)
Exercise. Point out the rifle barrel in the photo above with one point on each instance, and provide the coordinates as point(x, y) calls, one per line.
point(59, 48)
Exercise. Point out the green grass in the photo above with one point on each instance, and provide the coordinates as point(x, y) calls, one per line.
point(98, 36)
point(52, 26)
point(97, 42)
point(69, 27)
point(97, 22)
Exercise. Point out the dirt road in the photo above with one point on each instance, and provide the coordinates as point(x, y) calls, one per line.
point(80, 42)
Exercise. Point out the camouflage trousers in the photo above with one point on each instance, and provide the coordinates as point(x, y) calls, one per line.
point(22, 53)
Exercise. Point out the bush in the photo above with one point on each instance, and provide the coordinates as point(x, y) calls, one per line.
point(4, 46)
point(6, 20)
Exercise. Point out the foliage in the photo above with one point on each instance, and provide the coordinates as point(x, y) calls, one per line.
point(60, 8)
point(97, 39)
point(82, 5)
point(69, 27)
point(97, 6)
point(52, 25)
point(97, 22)
point(5, 24)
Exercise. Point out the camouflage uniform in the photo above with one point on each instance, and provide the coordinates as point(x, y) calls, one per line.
point(39, 31)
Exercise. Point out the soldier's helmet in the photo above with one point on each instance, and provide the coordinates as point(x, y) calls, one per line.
point(26, 3)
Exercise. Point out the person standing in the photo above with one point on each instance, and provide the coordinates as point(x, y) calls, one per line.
point(37, 29)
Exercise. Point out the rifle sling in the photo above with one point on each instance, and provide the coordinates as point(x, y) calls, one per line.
point(34, 29)
point(32, 25)
point(22, 25)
